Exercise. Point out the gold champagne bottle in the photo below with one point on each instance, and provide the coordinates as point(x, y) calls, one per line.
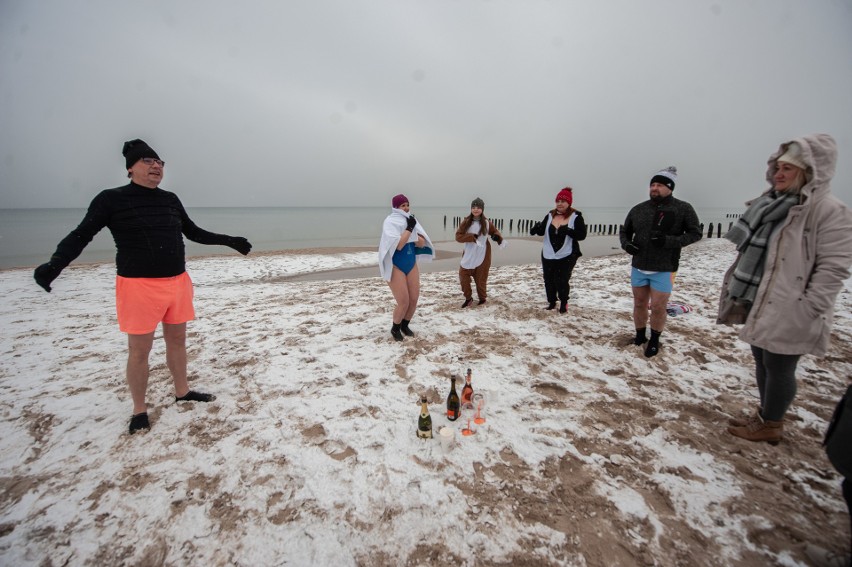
point(424, 423)
point(467, 391)
point(453, 403)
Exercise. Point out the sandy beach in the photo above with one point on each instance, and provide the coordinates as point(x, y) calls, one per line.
point(591, 454)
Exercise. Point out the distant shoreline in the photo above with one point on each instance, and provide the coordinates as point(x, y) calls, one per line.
point(29, 236)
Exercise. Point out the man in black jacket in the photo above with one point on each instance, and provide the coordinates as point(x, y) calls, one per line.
point(654, 233)
point(152, 287)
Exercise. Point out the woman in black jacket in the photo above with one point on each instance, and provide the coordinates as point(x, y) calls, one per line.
point(562, 228)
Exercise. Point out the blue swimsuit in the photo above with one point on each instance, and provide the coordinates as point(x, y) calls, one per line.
point(405, 258)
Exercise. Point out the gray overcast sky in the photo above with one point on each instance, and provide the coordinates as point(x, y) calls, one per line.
point(347, 102)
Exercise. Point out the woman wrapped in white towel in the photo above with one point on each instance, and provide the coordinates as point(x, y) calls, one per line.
point(403, 241)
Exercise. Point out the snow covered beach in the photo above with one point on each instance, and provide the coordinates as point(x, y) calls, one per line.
point(591, 453)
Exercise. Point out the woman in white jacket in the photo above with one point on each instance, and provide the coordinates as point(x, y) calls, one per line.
point(403, 241)
point(795, 250)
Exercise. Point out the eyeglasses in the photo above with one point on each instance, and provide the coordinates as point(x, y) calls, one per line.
point(152, 161)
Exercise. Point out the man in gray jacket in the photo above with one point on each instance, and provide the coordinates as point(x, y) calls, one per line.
point(654, 233)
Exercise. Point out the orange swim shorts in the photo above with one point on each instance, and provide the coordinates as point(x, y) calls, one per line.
point(141, 303)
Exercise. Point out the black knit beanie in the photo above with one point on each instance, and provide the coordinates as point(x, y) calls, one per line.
point(134, 150)
point(666, 177)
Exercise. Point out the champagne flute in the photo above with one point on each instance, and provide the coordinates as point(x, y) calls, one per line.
point(470, 416)
point(468, 429)
point(479, 404)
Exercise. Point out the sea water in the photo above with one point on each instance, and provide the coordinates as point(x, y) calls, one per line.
point(29, 236)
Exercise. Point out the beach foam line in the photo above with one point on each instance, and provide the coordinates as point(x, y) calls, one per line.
point(519, 252)
point(318, 264)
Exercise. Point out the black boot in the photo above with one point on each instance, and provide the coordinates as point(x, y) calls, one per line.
point(404, 328)
point(654, 344)
point(563, 307)
point(640, 339)
point(551, 306)
point(397, 334)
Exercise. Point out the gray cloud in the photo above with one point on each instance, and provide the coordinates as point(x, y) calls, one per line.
point(269, 103)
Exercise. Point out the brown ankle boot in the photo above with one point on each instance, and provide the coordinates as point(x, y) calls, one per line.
point(760, 429)
point(743, 421)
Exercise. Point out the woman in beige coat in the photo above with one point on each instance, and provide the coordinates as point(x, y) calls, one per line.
point(795, 251)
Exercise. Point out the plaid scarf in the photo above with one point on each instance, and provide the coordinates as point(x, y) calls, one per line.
point(751, 235)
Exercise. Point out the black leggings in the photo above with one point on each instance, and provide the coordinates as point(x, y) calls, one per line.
point(557, 276)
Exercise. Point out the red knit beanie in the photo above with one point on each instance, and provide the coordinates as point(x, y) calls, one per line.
point(566, 195)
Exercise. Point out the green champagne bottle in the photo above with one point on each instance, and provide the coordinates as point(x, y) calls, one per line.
point(453, 402)
point(424, 423)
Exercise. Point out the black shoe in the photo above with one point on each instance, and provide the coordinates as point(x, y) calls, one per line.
point(193, 396)
point(481, 302)
point(551, 306)
point(466, 303)
point(396, 332)
point(139, 422)
point(405, 330)
point(563, 307)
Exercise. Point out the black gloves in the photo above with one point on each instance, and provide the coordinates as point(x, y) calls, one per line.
point(658, 239)
point(537, 228)
point(496, 238)
point(410, 223)
point(45, 274)
point(631, 248)
point(565, 229)
point(239, 244)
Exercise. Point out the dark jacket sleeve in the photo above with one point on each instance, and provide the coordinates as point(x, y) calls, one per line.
point(579, 231)
point(691, 228)
point(625, 232)
point(97, 217)
point(198, 234)
point(538, 228)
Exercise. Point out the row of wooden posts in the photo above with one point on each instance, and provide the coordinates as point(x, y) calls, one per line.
point(523, 227)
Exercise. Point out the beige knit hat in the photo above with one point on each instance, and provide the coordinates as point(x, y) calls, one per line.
point(793, 156)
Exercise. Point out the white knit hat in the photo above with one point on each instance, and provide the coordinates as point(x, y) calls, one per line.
point(793, 156)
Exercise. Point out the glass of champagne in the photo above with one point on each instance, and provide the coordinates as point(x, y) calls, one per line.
point(479, 405)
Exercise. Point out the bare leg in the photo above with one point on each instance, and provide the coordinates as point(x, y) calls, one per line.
point(641, 296)
point(175, 337)
point(138, 349)
point(413, 285)
point(659, 300)
point(399, 288)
